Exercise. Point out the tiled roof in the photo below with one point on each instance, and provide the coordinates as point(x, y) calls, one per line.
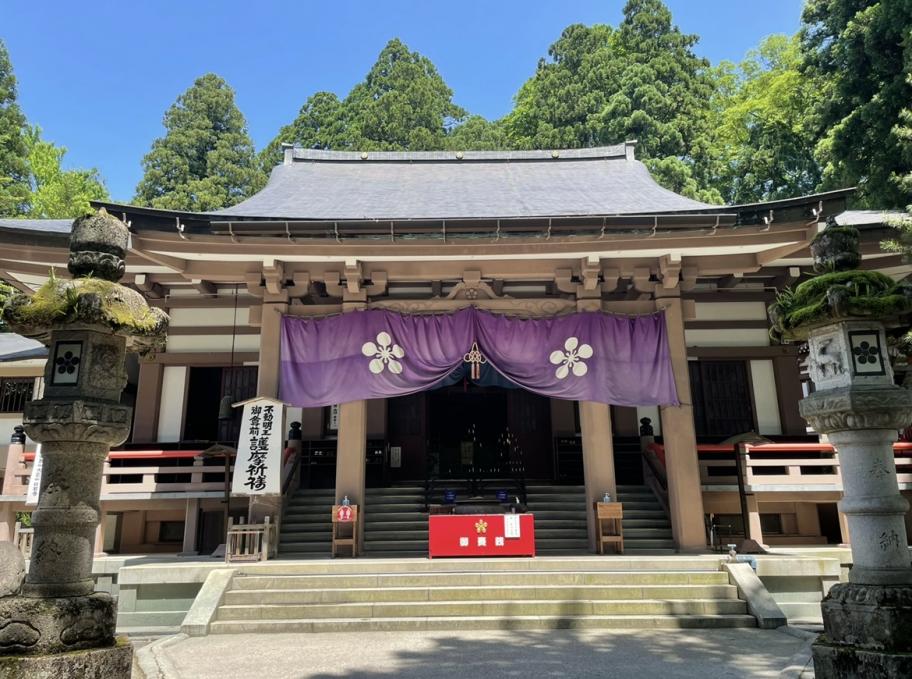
point(333, 185)
point(59, 226)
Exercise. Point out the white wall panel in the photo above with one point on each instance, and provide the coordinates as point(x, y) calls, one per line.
point(766, 399)
point(208, 343)
point(195, 318)
point(727, 337)
point(171, 408)
point(730, 311)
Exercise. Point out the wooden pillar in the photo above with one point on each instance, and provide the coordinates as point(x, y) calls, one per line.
point(7, 521)
point(148, 397)
point(350, 460)
point(844, 529)
point(788, 391)
point(191, 527)
point(100, 531)
point(755, 530)
point(270, 338)
point(11, 479)
point(685, 496)
point(598, 459)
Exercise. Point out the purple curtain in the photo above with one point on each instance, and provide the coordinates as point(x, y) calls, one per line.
point(588, 356)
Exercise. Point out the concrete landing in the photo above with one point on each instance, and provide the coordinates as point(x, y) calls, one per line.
point(706, 654)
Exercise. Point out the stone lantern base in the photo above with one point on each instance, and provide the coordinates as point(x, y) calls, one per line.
point(114, 662)
point(867, 632)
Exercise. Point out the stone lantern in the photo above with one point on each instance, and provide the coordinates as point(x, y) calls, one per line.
point(844, 315)
point(88, 323)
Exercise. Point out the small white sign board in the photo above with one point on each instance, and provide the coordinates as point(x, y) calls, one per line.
point(258, 465)
point(34, 487)
point(511, 525)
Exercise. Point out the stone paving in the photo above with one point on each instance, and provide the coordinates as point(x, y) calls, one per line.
point(641, 654)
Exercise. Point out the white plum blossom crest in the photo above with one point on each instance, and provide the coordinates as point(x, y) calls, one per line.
point(384, 354)
point(571, 358)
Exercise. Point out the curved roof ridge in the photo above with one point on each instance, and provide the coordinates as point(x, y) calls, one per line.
point(297, 154)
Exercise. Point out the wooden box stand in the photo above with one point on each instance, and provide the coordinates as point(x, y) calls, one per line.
point(609, 517)
point(345, 529)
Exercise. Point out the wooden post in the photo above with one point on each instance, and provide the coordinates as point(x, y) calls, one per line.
point(598, 460)
point(685, 495)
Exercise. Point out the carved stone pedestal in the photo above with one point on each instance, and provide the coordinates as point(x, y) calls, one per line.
point(867, 632)
point(92, 663)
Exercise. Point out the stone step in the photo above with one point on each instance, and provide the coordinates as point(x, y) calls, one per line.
point(581, 490)
point(414, 609)
point(292, 537)
point(488, 578)
point(393, 507)
point(484, 593)
point(397, 545)
point(371, 500)
point(481, 623)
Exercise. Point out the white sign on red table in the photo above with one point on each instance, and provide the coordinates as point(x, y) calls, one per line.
point(344, 514)
point(258, 465)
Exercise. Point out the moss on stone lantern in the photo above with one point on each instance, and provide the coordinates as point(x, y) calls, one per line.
point(840, 291)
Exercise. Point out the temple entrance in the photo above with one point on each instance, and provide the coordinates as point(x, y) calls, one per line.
point(466, 430)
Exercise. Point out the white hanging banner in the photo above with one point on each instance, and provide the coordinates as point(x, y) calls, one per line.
point(258, 465)
point(34, 487)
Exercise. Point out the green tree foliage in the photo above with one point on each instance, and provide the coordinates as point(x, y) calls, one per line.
point(640, 81)
point(764, 145)
point(319, 125)
point(14, 188)
point(56, 193)
point(402, 104)
point(206, 159)
point(476, 133)
point(861, 53)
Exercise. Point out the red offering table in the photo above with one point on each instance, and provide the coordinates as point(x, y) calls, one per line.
point(479, 535)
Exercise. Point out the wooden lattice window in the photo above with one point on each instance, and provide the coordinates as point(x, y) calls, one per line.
point(14, 392)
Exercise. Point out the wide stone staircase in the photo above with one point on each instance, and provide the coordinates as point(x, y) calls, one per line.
point(543, 593)
point(396, 523)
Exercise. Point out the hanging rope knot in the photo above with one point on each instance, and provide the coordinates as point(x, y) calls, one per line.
point(475, 358)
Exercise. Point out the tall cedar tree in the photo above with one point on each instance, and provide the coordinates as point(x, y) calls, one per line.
point(640, 81)
point(764, 136)
point(14, 186)
point(861, 51)
point(206, 159)
point(403, 104)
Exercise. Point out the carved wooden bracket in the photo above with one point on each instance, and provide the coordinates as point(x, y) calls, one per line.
point(670, 270)
point(641, 280)
point(149, 287)
point(473, 287)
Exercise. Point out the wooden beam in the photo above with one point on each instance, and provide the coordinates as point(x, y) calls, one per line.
point(728, 282)
point(205, 287)
point(149, 287)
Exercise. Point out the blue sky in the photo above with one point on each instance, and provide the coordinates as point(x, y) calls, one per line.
point(97, 76)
